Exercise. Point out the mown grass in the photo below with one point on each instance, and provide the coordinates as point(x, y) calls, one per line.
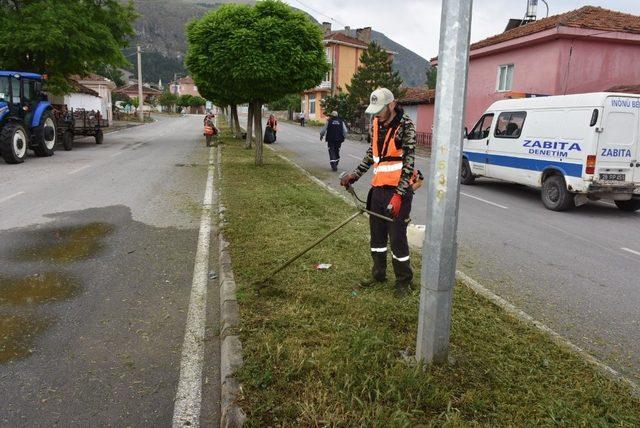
point(319, 351)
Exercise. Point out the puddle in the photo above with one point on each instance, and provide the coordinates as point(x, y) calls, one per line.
point(39, 288)
point(17, 335)
point(67, 244)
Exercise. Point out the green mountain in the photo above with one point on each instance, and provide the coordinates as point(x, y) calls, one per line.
point(161, 33)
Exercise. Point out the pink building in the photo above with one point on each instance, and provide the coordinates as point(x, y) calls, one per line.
point(586, 50)
point(184, 86)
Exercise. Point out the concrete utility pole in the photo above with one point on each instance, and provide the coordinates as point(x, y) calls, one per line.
point(140, 97)
point(440, 245)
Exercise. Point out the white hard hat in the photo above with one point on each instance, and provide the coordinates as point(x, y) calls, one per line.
point(379, 99)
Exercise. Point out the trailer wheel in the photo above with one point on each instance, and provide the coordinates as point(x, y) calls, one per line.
point(555, 195)
point(67, 140)
point(466, 176)
point(630, 206)
point(99, 136)
point(45, 135)
point(13, 143)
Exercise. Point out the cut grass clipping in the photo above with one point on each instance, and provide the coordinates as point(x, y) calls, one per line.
point(320, 351)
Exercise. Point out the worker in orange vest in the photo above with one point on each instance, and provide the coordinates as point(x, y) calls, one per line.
point(392, 155)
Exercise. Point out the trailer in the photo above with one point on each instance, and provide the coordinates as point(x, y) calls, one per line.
point(72, 123)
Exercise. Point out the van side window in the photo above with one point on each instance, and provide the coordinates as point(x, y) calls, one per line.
point(510, 124)
point(482, 128)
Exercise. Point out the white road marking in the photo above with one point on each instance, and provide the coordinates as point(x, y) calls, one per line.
point(188, 401)
point(79, 169)
point(422, 157)
point(484, 200)
point(5, 199)
point(637, 253)
point(116, 154)
point(355, 157)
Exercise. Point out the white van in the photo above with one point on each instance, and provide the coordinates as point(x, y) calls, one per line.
point(574, 147)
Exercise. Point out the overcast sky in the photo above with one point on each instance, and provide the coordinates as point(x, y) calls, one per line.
point(415, 23)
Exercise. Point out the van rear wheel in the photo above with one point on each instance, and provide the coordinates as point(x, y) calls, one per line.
point(555, 195)
point(631, 205)
point(466, 176)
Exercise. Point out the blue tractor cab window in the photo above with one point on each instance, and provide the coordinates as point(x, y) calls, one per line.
point(15, 90)
point(4, 89)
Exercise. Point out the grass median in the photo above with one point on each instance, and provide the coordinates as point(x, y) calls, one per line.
point(320, 351)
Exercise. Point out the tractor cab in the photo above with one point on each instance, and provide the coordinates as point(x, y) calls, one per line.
point(26, 117)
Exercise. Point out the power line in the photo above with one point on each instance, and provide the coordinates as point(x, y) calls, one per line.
point(322, 14)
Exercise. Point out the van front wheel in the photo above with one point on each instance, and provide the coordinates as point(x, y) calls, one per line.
point(631, 205)
point(466, 176)
point(555, 195)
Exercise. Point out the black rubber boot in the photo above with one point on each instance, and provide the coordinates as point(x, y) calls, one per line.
point(404, 276)
point(378, 270)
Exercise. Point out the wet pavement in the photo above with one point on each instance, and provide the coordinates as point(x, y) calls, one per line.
point(95, 278)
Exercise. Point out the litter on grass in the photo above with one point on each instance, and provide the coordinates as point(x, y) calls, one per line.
point(323, 266)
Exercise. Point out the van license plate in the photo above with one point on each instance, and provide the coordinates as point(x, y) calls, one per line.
point(612, 177)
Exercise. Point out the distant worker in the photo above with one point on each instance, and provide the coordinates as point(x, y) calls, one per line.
point(210, 129)
point(301, 118)
point(391, 153)
point(336, 131)
point(270, 133)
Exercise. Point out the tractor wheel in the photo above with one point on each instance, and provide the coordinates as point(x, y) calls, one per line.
point(13, 143)
point(45, 135)
point(99, 136)
point(67, 140)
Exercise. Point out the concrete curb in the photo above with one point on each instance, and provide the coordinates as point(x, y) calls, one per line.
point(231, 414)
point(503, 304)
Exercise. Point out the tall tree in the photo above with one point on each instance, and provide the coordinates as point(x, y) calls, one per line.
point(375, 72)
point(63, 38)
point(341, 103)
point(260, 53)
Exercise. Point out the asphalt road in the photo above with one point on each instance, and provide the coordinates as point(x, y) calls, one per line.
point(577, 271)
point(97, 250)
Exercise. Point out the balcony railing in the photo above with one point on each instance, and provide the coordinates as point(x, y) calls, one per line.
point(325, 85)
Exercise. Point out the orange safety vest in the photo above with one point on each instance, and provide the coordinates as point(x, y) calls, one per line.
point(387, 164)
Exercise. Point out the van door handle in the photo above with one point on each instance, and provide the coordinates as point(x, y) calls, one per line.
point(487, 142)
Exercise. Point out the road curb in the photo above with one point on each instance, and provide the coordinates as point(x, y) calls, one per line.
point(231, 414)
point(502, 303)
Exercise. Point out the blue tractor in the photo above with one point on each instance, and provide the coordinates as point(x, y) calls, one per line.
point(26, 117)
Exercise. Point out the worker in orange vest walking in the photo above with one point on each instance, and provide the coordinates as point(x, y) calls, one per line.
point(392, 155)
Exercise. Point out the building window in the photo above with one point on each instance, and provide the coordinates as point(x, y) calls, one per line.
point(312, 104)
point(505, 78)
point(327, 52)
point(327, 77)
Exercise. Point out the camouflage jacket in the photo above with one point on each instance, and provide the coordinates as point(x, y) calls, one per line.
point(407, 137)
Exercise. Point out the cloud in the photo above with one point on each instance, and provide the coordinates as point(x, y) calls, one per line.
point(416, 23)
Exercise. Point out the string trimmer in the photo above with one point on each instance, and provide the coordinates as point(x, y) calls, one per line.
point(360, 204)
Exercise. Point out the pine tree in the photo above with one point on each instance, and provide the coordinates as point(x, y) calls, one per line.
point(375, 72)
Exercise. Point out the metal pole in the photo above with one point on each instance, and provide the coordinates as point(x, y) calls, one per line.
point(440, 244)
point(140, 98)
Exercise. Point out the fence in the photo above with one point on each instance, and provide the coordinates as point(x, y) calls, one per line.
point(424, 140)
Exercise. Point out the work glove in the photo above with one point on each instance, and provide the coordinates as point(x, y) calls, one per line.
point(346, 179)
point(394, 205)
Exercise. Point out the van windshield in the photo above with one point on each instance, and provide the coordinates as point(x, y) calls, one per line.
point(4, 89)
